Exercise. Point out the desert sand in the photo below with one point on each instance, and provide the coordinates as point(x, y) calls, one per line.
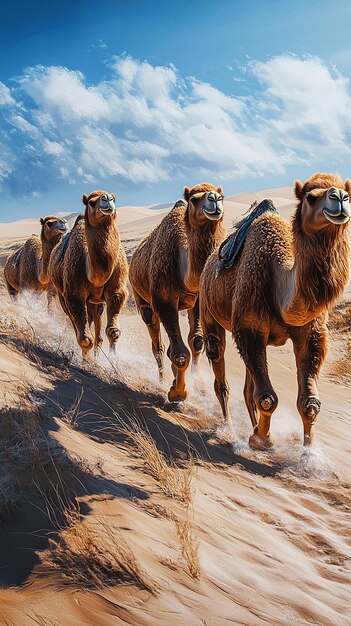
point(210, 536)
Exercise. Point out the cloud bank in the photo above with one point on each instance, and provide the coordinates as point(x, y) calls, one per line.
point(146, 124)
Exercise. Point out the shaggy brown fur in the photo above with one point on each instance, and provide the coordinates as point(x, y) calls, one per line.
point(30, 272)
point(93, 270)
point(165, 272)
point(281, 287)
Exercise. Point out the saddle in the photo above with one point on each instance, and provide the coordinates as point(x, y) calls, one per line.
point(65, 239)
point(17, 256)
point(231, 248)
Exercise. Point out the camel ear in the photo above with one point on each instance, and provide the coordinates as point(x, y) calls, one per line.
point(298, 189)
point(348, 186)
point(220, 190)
point(42, 221)
point(85, 199)
point(187, 191)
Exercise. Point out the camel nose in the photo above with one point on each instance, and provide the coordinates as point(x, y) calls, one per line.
point(337, 206)
point(214, 203)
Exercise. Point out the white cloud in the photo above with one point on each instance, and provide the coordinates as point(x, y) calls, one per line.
point(145, 124)
point(62, 91)
point(5, 96)
point(311, 104)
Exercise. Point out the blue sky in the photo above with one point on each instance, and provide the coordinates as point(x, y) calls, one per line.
point(142, 97)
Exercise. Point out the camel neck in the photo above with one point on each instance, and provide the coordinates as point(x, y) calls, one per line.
point(103, 244)
point(319, 274)
point(202, 240)
point(47, 247)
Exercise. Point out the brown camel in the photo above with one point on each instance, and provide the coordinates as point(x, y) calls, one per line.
point(27, 268)
point(165, 272)
point(281, 286)
point(90, 268)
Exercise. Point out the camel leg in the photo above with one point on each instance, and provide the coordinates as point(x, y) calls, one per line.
point(215, 348)
point(63, 303)
point(152, 322)
point(114, 301)
point(95, 312)
point(249, 399)
point(252, 346)
point(177, 351)
point(310, 347)
point(51, 295)
point(195, 337)
point(78, 314)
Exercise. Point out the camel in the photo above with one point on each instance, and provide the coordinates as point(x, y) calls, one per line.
point(165, 272)
point(89, 269)
point(27, 268)
point(281, 286)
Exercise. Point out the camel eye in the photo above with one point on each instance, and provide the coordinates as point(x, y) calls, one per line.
point(311, 198)
point(93, 203)
point(49, 224)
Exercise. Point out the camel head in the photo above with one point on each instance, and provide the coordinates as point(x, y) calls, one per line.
point(324, 202)
point(205, 202)
point(100, 206)
point(53, 227)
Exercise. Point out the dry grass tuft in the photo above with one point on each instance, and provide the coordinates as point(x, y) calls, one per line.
point(74, 414)
point(341, 368)
point(340, 323)
point(174, 481)
point(190, 547)
point(340, 317)
point(93, 558)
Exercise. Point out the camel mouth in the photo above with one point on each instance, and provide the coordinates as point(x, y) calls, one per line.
point(215, 216)
point(343, 218)
point(107, 211)
point(63, 228)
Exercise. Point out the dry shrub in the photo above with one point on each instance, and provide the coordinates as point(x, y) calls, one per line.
point(189, 546)
point(174, 481)
point(90, 559)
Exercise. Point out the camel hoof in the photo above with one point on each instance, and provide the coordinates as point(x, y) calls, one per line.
point(260, 443)
point(86, 343)
point(175, 395)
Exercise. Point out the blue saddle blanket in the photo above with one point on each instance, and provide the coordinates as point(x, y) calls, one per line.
point(233, 245)
point(66, 237)
point(17, 256)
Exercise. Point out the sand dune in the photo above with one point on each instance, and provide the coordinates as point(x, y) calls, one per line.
point(270, 529)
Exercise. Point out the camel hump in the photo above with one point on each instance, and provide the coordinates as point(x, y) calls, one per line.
point(180, 202)
point(17, 256)
point(233, 245)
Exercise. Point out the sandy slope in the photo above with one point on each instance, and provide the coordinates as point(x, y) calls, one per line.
point(272, 527)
